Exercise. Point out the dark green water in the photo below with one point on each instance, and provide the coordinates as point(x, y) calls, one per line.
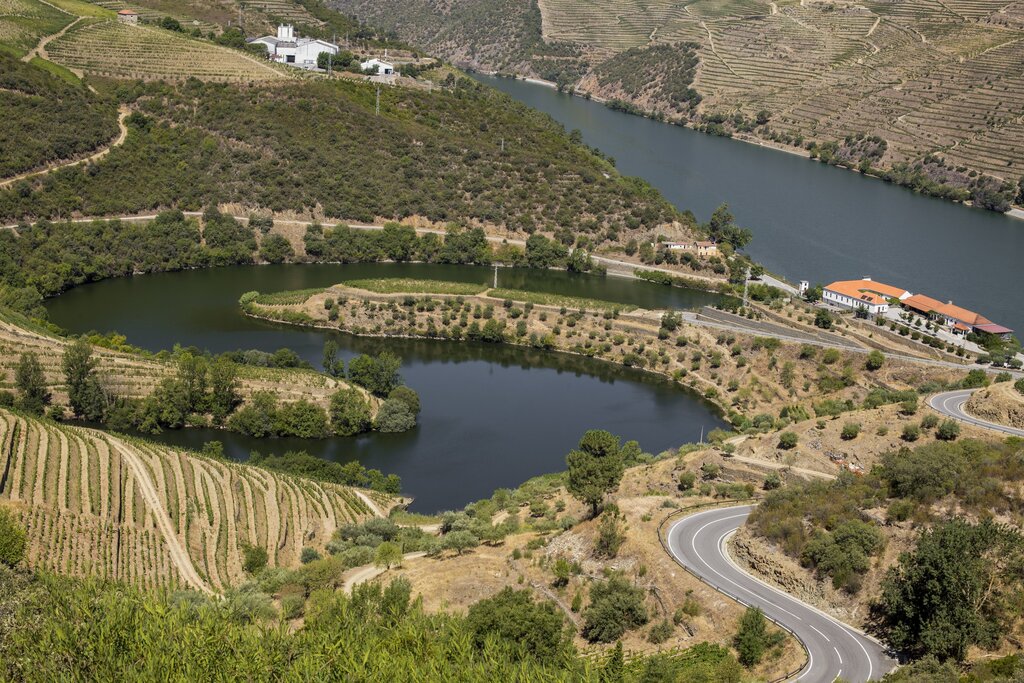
point(811, 221)
point(493, 416)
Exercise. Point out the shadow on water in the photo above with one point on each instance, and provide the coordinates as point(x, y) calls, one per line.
point(493, 415)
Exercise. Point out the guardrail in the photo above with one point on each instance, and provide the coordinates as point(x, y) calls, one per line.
point(664, 544)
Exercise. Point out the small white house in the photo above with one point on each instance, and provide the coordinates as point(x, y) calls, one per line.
point(287, 48)
point(380, 67)
point(128, 16)
point(701, 248)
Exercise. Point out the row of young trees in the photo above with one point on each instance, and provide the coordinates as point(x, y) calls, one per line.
point(207, 390)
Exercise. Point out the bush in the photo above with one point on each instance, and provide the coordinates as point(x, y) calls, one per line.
point(308, 555)
point(395, 416)
point(254, 558)
point(975, 379)
point(1019, 385)
point(610, 535)
point(822, 319)
point(772, 481)
point(850, 431)
point(660, 632)
point(929, 421)
point(534, 628)
point(788, 440)
point(875, 360)
point(407, 396)
point(949, 430)
point(687, 479)
point(12, 539)
point(911, 433)
point(616, 606)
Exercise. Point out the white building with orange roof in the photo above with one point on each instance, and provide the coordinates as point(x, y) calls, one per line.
point(873, 297)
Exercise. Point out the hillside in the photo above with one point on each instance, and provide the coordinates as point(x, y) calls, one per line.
point(468, 155)
point(929, 78)
point(95, 504)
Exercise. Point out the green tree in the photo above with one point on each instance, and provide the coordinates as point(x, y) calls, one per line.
point(258, 417)
point(460, 541)
point(12, 539)
point(330, 359)
point(610, 535)
point(722, 228)
point(85, 395)
point(534, 628)
point(788, 440)
point(276, 249)
point(350, 412)
point(388, 555)
point(955, 589)
point(31, 384)
point(595, 468)
point(301, 418)
point(875, 360)
point(752, 638)
point(224, 397)
point(823, 319)
point(192, 374)
point(616, 606)
point(378, 374)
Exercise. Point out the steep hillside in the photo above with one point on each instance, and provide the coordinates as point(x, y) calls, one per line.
point(96, 504)
point(467, 155)
point(928, 78)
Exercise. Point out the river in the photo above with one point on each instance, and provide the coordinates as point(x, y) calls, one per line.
point(810, 221)
point(493, 416)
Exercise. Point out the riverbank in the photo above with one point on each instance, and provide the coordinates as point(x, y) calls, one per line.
point(729, 370)
point(798, 151)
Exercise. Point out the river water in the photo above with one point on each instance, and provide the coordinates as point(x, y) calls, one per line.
point(493, 416)
point(810, 221)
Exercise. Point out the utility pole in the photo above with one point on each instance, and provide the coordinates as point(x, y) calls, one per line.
point(502, 145)
point(378, 101)
point(495, 277)
point(746, 282)
point(329, 55)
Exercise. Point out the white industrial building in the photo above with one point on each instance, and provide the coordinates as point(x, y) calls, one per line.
point(286, 48)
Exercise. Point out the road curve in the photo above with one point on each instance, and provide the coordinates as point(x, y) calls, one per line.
point(697, 542)
point(951, 404)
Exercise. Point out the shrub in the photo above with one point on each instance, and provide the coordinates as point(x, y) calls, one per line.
point(687, 479)
point(788, 440)
point(1019, 385)
point(395, 416)
point(949, 430)
point(850, 431)
point(929, 421)
point(911, 433)
point(534, 628)
point(12, 539)
point(660, 632)
point(254, 558)
point(616, 606)
point(822, 319)
point(875, 360)
point(308, 555)
point(350, 412)
point(975, 379)
point(772, 481)
point(610, 535)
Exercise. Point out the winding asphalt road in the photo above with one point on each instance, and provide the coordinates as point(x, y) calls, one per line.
point(951, 404)
point(697, 542)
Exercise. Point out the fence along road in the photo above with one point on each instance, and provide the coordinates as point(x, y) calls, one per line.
point(834, 649)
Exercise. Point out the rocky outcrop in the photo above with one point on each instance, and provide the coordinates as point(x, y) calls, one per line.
point(768, 563)
point(1000, 403)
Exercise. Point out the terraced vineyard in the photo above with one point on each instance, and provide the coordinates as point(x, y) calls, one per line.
point(130, 375)
point(99, 505)
point(284, 10)
point(24, 22)
point(927, 76)
point(153, 15)
point(109, 48)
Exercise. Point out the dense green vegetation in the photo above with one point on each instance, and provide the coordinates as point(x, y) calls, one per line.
point(962, 584)
point(378, 633)
point(352, 473)
point(199, 143)
point(44, 118)
point(662, 72)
